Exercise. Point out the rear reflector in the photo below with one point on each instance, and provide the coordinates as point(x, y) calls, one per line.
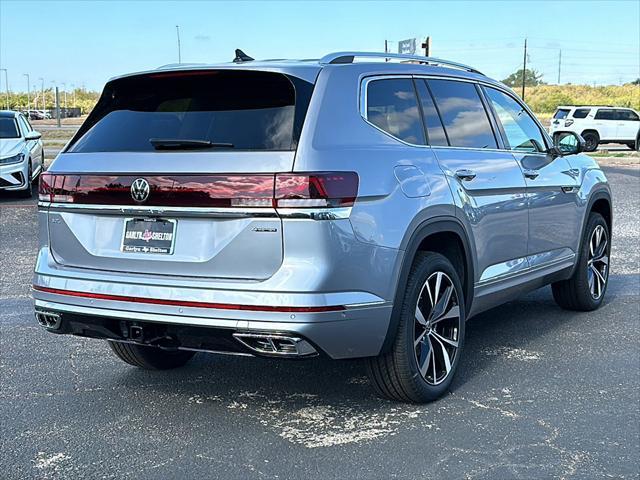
point(188, 303)
point(285, 190)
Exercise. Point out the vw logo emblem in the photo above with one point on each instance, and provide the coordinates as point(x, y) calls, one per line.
point(140, 190)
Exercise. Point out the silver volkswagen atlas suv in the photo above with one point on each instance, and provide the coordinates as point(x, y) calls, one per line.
point(348, 207)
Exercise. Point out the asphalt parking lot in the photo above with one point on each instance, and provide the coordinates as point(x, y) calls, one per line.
point(541, 393)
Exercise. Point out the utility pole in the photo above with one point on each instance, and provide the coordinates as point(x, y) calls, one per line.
point(427, 46)
point(6, 84)
point(44, 103)
point(58, 106)
point(179, 52)
point(28, 91)
point(559, 65)
point(524, 67)
point(64, 86)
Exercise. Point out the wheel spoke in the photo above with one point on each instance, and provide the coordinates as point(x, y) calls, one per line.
point(420, 337)
point(420, 317)
point(445, 356)
point(602, 248)
point(441, 339)
point(437, 289)
point(425, 360)
point(443, 303)
point(454, 312)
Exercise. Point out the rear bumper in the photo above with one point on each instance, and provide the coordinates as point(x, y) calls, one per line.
point(356, 331)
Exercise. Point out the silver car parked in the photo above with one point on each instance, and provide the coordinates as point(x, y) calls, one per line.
point(350, 207)
point(21, 153)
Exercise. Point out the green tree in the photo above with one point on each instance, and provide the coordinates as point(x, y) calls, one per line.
point(636, 82)
point(531, 79)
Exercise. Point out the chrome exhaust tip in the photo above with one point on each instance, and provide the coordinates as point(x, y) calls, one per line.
point(276, 344)
point(48, 320)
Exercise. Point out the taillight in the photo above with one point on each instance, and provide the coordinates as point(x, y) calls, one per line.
point(57, 188)
point(284, 190)
point(309, 190)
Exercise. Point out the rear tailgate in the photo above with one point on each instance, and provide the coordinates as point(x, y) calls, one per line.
point(119, 203)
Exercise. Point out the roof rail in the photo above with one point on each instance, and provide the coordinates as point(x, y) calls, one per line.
point(349, 57)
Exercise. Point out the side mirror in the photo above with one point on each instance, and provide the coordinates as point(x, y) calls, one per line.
point(33, 135)
point(568, 143)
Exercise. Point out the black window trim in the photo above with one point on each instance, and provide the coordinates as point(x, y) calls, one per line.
point(426, 84)
point(367, 78)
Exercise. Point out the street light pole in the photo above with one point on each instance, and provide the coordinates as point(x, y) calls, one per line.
point(28, 91)
point(64, 85)
point(179, 52)
point(74, 94)
point(44, 102)
point(6, 84)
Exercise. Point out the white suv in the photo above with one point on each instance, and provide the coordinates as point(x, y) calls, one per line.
point(599, 124)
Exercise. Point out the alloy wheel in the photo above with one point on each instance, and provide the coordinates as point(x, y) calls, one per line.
point(598, 262)
point(437, 326)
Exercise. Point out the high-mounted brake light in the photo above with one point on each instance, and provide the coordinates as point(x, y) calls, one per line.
point(283, 190)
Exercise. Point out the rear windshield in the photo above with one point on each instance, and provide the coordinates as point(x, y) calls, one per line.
point(8, 128)
point(561, 113)
point(221, 109)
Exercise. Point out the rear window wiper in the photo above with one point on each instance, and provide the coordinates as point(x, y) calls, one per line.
point(185, 144)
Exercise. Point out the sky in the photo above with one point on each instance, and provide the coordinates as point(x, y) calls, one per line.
point(86, 43)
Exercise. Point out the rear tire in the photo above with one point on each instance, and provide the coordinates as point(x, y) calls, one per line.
point(586, 288)
point(591, 141)
point(428, 342)
point(150, 358)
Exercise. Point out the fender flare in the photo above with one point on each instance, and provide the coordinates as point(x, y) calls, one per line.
point(424, 230)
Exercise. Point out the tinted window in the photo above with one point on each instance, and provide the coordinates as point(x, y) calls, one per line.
point(24, 125)
point(561, 113)
point(8, 128)
point(435, 131)
point(392, 106)
point(521, 131)
point(627, 115)
point(605, 114)
point(249, 110)
point(464, 117)
point(581, 112)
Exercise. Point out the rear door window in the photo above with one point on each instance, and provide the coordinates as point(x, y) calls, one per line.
point(247, 110)
point(392, 106)
point(463, 114)
point(605, 114)
point(561, 113)
point(435, 130)
point(581, 112)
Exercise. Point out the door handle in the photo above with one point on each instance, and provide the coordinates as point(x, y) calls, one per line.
point(531, 174)
point(465, 174)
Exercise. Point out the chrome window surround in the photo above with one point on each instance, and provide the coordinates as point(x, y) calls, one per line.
point(244, 212)
point(363, 109)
